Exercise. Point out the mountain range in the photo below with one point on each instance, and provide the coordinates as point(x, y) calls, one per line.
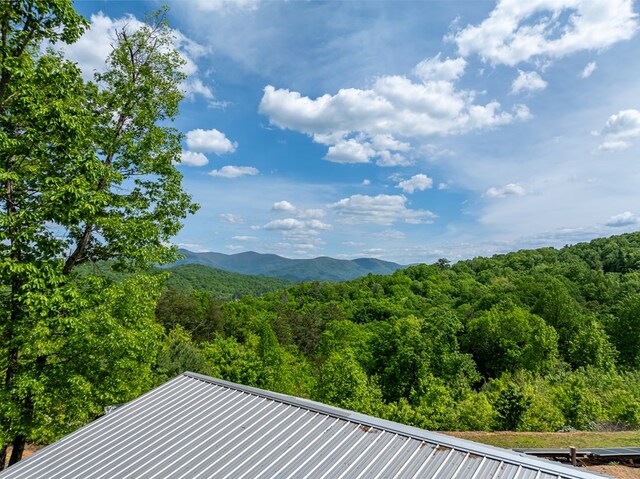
point(321, 269)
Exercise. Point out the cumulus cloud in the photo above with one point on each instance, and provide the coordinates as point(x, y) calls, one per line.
point(435, 69)
point(527, 81)
point(301, 213)
point(283, 206)
point(624, 219)
point(386, 158)
point(350, 151)
point(190, 158)
point(284, 224)
point(620, 130)
point(194, 86)
point(289, 224)
point(389, 143)
point(231, 218)
point(231, 171)
point(244, 238)
point(443, 186)
point(512, 189)
point(210, 141)
point(517, 31)
point(418, 182)
point(588, 70)
point(359, 125)
point(366, 182)
point(380, 209)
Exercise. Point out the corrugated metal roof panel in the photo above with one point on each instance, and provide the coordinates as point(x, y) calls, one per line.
point(198, 427)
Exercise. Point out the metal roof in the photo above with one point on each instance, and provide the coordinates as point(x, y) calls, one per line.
point(195, 426)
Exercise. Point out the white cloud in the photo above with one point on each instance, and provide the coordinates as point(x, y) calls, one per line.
point(301, 213)
point(193, 159)
point(318, 225)
point(620, 130)
point(443, 186)
point(283, 206)
point(231, 171)
point(244, 238)
point(527, 81)
point(445, 70)
point(518, 31)
point(231, 218)
point(210, 141)
point(289, 224)
point(588, 70)
point(624, 219)
point(624, 124)
point(388, 159)
point(361, 124)
point(389, 143)
point(380, 209)
point(613, 145)
point(209, 6)
point(418, 182)
point(350, 151)
point(194, 86)
point(284, 224)
point(366, 182)
point(512, 189)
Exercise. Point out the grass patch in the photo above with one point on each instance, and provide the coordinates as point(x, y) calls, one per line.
point(579, 439)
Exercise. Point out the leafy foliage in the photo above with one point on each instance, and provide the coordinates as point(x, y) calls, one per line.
point(86, 173)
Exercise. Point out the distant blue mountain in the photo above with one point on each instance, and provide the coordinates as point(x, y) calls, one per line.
point(321, 269)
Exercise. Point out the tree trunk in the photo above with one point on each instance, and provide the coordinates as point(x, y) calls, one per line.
point(3, 457)
point(18, 449)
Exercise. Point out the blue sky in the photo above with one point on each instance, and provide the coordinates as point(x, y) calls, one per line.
point(406, 130)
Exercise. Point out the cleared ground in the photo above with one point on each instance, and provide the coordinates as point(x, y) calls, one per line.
point(511, 440)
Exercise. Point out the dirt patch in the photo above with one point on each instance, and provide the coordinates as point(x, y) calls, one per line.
point(580, 439)
point(621, 472)
point(28, 450)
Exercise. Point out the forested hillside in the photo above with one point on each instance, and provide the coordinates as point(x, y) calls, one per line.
point(223, 285)
point(533, 340)
point(320, 269)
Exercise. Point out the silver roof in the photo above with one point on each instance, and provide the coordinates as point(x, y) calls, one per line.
point(195, 426)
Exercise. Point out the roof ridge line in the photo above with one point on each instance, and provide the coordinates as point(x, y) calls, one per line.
point(436, 438)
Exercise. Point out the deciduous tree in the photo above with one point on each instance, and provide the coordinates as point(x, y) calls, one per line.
point(87, 172)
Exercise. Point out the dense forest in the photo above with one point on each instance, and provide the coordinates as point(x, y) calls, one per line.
point(538, 340)
point(223, 285)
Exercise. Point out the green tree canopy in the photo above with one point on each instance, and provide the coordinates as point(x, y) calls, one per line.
point(86, 172)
